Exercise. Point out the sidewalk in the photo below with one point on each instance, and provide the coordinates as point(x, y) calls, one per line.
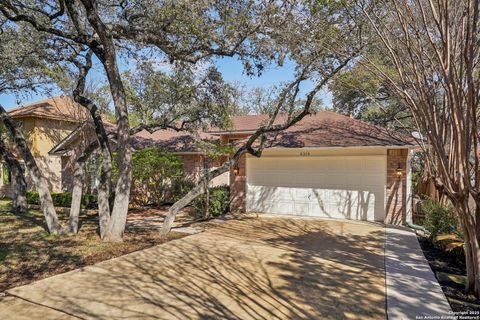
point(412, 290)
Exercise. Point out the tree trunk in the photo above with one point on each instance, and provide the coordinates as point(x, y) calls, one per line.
point(107, 55)
point(78, 183)
point(39, 180)
point(194, 193)
point(103, 191)
point(470, 285)
point(19, 185)
point(103, 195)
point(78, 177)
point(471, 245)
point(179, 205)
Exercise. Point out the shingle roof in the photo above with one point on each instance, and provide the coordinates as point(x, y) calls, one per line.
point(56, 108)
point(324, 129)
point(170, 140)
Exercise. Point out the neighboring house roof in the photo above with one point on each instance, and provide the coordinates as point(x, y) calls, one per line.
point(170, 140)
point(167, 139)
point(56, 108)
point(322, 129)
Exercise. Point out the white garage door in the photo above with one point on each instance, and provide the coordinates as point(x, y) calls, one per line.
point(347, 187)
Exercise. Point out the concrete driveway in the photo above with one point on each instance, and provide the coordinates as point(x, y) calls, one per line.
point(258, 268)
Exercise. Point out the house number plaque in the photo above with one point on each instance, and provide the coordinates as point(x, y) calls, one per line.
point(304, 154)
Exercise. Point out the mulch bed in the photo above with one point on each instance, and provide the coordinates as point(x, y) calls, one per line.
point(442, 262)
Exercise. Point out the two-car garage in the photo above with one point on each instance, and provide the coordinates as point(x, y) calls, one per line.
point(347, 184)
point(326, 165)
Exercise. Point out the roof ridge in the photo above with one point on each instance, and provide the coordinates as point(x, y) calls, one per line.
point(38, 102)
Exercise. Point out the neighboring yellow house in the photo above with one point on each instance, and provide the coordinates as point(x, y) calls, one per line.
point(45, 123)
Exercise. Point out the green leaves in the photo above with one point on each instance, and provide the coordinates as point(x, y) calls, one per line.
point(174, 94)
point(154, 171)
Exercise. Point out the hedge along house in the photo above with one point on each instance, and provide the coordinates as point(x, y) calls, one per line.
point(327, 165)
point(45, 123)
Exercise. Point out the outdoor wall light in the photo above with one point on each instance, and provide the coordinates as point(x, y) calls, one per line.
point(236, 169)
point(399, 170)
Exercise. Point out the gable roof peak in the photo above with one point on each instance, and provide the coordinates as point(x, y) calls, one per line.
point(62, 108)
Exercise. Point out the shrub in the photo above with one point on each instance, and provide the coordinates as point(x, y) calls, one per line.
point(178, 189)
point(154, 171)
point(439, 219)
point(62, 199)
point(33, 198)
point(218, 204)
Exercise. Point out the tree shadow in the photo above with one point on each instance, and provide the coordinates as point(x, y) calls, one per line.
point(243, 269)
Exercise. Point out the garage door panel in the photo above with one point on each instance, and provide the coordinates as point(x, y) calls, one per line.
point(348, 187)
point(302, 208)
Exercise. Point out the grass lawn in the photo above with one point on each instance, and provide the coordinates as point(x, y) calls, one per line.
point(29, 253)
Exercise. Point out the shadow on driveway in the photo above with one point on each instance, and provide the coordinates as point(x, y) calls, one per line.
point(259, 268)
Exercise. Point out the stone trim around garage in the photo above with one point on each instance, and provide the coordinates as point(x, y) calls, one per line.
point(238, 187)
point(396, 191)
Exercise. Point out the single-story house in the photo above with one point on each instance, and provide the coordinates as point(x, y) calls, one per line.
point(327, 165)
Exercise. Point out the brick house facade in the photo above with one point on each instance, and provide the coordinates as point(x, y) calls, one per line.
point(369, 181)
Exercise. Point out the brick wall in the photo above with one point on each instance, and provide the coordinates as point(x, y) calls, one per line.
point(396, 197)
point(238, 187)
point(193, 166)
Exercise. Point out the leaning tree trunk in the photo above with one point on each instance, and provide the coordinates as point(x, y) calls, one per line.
point(194, 193)
point(38, 179)
point(261, 133)
point(19, 185)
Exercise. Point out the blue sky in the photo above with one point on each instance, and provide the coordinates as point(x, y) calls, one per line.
point(232, 71)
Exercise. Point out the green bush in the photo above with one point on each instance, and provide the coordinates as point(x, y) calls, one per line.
point(154, 171)
point(33, 198)
point(218, 204)
point(439, 219)
point(178, 189)
point(62, 199)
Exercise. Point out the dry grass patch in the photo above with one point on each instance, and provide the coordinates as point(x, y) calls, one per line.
point(28, 253)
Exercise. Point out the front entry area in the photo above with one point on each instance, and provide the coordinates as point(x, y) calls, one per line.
point(310, 184)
